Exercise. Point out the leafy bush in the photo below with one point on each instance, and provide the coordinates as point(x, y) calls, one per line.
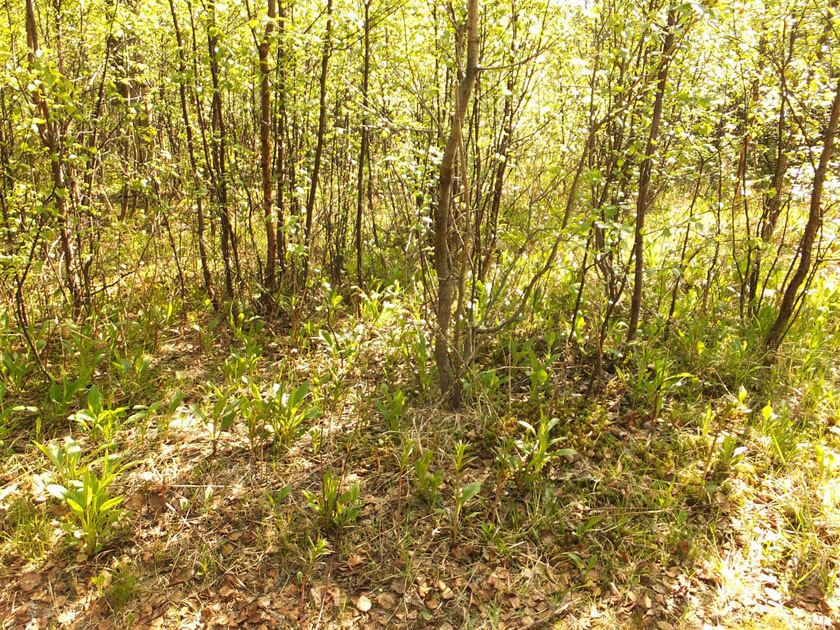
point(92, 511)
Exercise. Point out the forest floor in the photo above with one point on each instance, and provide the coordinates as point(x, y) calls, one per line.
point(644, 525)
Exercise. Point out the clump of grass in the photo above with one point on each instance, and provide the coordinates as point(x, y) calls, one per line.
point(26, 529)
point(123, 589)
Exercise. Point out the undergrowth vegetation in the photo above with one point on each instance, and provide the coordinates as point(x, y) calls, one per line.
point(487, 314)
point(330, 459)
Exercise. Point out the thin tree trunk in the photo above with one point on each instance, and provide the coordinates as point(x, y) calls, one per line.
point(791, 294)
point(450, 389)
point(770, 216)
point(363, 150)
point(319, 146)
point(219, 149)
point(280, 142)
point(265, 151)
point(48, 131)
point(643, 200)
point(182, 90)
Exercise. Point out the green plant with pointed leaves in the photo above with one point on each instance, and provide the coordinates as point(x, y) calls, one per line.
point(335, 509)
point(160, 411)
point(92, 510)
point(287, 409)
point(98, 420)
point(219, 416)
point(538, 369)
point(535, 450)
point(463, 494)
point(67, 459)
point(428, 482)
point(392, 406)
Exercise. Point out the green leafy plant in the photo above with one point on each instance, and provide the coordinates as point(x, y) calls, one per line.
point(240, 366)
point(535, 450)
point(134, 369)
point(219, 416)
point(99, 421)
point(416, 351)
point(315, 550)
point(8, 415)
point(463, 494)
point(335, 509)
point(160, 411)
point(649, 380)
point(538, 369)
point(729, 453)
point(15, 368)
point(62, 392)
point(92, 511)
point(781, 433)
point(118, 586)
point(253, 410)
point(488, 385)
point(392, 406)
point(66, 458)
point(428, 482)
point(286, 411)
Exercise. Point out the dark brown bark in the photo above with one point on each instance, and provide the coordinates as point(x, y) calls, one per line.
point(450, 387)
point(319, 146)
point(49, 133)
point(219, 150)
point(806, 244)
point(182, 91)
point(646, 166)
point(265, 151)
point(363, 149)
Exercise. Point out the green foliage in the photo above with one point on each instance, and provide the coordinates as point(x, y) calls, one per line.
point(66, 458)
point(15, 369)
point(62, 393)
point(428, 482)
point(92, 511)
point(537, 369)
point(335, 509)
point(27, 527)
point(134, 372)
point(487, 385)
point(392, 406)
point(219, 414)
point(416, 352)
point(781, 434)
point(240, 366)
point(120, 588)
point(535, 450)
point(462, 494)
point(287, 409)
point(99, 421)
point(649, 380)
point(160, 411)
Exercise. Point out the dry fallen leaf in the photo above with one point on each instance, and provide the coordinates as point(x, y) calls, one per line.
point(29, 581)
point(355, 561)
point(387, 600)
point(363, 603)
point(226, 591)
point(317, 592)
